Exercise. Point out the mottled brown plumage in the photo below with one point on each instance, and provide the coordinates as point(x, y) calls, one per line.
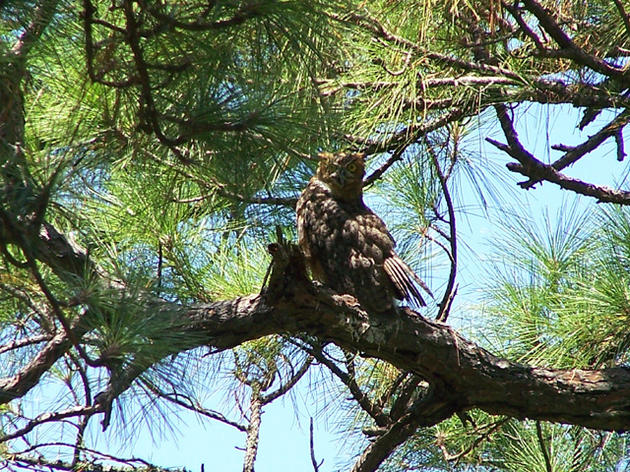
point(346, 245)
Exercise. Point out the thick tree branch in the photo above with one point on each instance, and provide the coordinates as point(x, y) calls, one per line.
point(477, 379)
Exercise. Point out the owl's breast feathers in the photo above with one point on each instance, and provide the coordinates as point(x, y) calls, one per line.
point(349, 248)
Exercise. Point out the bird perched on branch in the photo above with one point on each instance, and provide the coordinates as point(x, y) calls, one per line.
point(346, 245)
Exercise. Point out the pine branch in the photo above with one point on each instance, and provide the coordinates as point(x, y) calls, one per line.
point(536, 170)
point(566, 43)
point(42, 16)
point(50, 417)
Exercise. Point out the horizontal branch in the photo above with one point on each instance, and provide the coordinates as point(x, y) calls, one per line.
point(467, 375)
point(546, 172)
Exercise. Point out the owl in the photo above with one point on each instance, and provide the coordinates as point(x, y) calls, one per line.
point(346, 245)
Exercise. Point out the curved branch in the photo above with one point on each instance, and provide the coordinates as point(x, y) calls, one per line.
point(449, 293)
point(49, 417)
point(536, 170)
point(473, 377)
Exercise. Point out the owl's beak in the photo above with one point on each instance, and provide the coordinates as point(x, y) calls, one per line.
point(339, 176)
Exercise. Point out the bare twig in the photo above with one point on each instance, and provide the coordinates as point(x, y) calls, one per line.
point(403, 138)
point(537, 170)
point(23, 457)
point(395, 157)
point(355, 390)
point(516, 14)
point(449, 292)
point(188, 403)
point(574, 153)
point(316, 466)
point(289, 384)
point(49, 417)
point(543, 447)
point(19, 343)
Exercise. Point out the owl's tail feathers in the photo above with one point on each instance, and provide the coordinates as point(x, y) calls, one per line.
point(405, 280)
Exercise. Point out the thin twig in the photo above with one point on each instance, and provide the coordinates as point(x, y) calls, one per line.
point(48, 417)
point(516, 14)
point(289, 384)
point(535, 169)
point(316, 466)
point(361, 398)
point(19, 343)
point(150, 109)
point(403, 138)
point(625, 17)
point(447, 299)
point(188, 403)
point(574, 153)
point(20, 456)
point(543, 447)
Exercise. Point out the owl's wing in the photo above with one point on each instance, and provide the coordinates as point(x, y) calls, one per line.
point(405, 280)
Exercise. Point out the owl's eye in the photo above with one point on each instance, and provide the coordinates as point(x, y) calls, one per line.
point(352, 167)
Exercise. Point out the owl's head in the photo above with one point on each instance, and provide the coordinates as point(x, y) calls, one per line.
point(343, 173)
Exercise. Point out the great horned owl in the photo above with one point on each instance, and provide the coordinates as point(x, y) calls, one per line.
point(346, 245)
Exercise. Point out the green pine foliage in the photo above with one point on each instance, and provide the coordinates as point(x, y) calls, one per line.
point(175, 171)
